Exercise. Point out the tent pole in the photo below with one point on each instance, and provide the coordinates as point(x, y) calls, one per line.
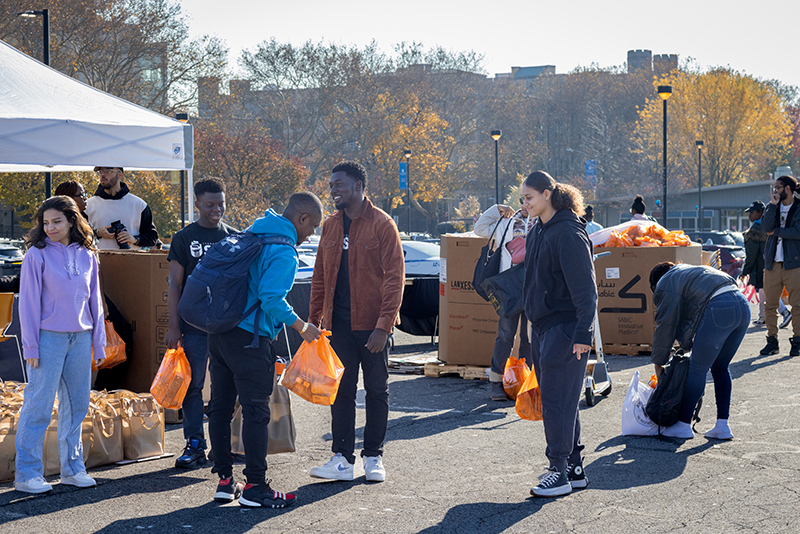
point(190, 187)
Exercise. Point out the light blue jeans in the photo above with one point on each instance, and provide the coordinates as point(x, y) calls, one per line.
point(64, 367)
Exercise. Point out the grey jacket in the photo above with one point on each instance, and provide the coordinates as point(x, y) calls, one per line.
point(681, 298)
point(770, 222)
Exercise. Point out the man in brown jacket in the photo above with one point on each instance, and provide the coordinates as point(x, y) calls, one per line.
point(356, 292)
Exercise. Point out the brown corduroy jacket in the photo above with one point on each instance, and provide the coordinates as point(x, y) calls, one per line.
point(376, 265)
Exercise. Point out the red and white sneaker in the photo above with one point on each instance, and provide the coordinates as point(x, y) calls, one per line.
point(262, 496)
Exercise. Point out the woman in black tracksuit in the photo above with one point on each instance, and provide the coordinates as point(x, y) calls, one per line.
point(560, 303)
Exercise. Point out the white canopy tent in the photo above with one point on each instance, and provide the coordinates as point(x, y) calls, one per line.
point(50, 122)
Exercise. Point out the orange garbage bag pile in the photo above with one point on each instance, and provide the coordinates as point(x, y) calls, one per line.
point(651, 236)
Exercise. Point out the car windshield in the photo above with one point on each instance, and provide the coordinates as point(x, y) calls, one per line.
point(10, 252)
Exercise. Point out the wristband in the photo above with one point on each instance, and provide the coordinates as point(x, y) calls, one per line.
point(305, 327)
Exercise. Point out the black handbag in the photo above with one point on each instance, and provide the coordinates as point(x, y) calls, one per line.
point(505, 290)
point(488, 263)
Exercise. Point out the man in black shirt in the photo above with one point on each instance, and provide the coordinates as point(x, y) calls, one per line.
point(188, 247)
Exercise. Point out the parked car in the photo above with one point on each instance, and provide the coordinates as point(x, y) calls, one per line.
point(306, 265)
point(422, 258)
point(731, 255)
point(10, 259)
point(310, 245)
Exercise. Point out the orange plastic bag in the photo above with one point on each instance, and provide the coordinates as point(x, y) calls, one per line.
point(619, 240)
point(115, 349)
point(172, 380)
point(515, 374)
point(529, 399)
point(645, 241)
point(315, 372)
point(656, 231)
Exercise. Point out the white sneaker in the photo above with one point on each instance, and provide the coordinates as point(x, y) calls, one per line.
point(337, 468)
point(373, 468)
point(81, 480)
point(720, 431)
point(34, 485)
point(678, 430)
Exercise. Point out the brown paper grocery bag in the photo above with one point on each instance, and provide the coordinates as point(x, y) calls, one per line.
point(142, 425)
point(281, 432)
point(106, 444)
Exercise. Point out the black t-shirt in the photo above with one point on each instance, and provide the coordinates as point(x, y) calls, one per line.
point(341, 298)
point(188, 247)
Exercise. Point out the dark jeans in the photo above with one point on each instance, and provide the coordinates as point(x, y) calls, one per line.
point(350, 347)
point(719, 334)
point(506, 330)
point(196, 348)
point(560, 374)
point(248, 373)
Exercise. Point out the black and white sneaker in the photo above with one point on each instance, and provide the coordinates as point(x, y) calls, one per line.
point(552, 484)
point(262, 496)
point(228, 490)
point(194, 455)
point(787, 318)
point(577, 476)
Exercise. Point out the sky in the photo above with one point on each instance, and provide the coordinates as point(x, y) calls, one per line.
point(761, 39)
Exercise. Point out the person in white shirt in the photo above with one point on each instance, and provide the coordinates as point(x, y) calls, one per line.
point(114, 203)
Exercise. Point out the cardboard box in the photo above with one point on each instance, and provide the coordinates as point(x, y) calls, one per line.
point(467, 323)
point(138, 283)
point(625, 301)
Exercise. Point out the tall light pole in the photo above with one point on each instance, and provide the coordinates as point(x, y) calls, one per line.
point(496, 134)
point(45, 14)
point(699, 145)
point(184, 118)
point(407, 155)
point(665, 91)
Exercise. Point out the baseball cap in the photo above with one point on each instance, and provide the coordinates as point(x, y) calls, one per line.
point(757, 205)
point(97, 169)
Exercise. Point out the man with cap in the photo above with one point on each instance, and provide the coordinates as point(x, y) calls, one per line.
point(114, 203)
point(755, 240)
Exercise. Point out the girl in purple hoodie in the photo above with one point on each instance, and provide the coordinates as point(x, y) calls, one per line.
point(61, 315)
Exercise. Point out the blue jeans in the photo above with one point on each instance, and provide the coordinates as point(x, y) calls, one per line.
point(718, 336)
point(196, 348)
point(64, 367)
point(506, 330)
point(560, 374)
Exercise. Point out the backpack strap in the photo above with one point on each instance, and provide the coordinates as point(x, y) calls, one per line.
point(256, 307)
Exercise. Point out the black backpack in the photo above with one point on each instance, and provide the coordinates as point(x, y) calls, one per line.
point(664, 406)
point(488, 263)
point(215, 294)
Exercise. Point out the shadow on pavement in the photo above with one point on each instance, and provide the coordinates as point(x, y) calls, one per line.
point(228, 518)
point(644, 461)
point(739, 368)
point(485, 517)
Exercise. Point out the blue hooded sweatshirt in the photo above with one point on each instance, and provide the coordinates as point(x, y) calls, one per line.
point(271, 277)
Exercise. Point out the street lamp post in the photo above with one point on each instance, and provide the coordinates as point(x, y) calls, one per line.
point(183, 117)
point(665, 91)
point(496, 134)
point(407, 155)
point(45, 14)
point(699, 145)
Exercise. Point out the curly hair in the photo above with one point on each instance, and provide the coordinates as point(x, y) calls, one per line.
point(80, 231)
point(354, 170)
point(563, 196)
point(209, 185)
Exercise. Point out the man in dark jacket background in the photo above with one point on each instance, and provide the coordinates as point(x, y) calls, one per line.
point(755, 241)
point(781, 222)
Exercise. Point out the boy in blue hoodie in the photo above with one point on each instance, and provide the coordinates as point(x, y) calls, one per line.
point(239, 369)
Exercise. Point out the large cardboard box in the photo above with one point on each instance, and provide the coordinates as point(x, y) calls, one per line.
point(138, 283)
point(625, 301)
point(467, 323)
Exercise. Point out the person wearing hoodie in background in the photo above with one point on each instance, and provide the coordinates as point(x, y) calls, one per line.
point(510, 231)
point(61, 316)
point(560, 303)
point(239, 368)
point(113, 202)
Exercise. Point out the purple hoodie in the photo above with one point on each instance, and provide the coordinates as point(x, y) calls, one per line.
point(59, 290)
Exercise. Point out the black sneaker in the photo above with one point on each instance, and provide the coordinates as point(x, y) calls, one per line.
point(262, 496)
point(553, 484)
point(577, 476)
point(498, 391)
point(771, 347)
point(193, 455)
point(795, 350)
point(228, 490)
